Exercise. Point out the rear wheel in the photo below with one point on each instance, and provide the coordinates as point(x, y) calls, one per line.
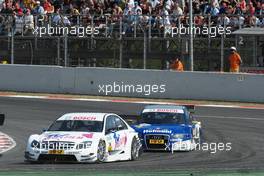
point(101, 151)
point(135, 149)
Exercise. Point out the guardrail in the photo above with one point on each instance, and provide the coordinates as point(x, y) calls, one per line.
point(133, 83)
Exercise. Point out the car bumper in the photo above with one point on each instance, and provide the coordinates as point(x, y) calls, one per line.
point(180, 145)
point(172, 145)
point(87, 155)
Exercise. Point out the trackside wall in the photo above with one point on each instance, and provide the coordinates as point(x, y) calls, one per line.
point(178, 85)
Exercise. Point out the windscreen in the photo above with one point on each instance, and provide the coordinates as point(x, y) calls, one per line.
point(162, 118)
point(77, 125)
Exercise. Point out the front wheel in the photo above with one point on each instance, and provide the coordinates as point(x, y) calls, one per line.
point(101, 151)
point(135, 149)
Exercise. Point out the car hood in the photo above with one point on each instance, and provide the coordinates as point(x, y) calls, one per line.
point(69, 136)
point(162, 129)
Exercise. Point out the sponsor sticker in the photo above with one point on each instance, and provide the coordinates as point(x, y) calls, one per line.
point(67, 136)
point(157, 131)
point(88, 135)
point(84, 118)
point(179, 111)
point(120, 140)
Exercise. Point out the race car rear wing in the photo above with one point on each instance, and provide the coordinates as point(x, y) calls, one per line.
point(2, 119)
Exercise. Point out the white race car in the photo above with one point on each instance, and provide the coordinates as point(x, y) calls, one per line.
point(85, 137)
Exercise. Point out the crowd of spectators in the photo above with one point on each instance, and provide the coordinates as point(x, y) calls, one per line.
point(25, 15)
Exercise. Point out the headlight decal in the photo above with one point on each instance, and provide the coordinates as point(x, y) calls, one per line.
point(35, 144)
point(180, 136)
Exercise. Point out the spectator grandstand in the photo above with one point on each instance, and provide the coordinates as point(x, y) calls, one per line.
point(126, 16)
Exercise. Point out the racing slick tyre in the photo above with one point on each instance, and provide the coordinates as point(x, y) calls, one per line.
point(135, 149)
point(101, 151)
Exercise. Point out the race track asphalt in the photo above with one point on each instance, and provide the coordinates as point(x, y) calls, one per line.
point(241, 127)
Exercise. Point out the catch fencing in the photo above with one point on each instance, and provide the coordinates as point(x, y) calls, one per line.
point(138, 43)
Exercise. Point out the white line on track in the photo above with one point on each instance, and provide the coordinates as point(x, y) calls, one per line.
point(26, 96)
point(58, 97)
point(225, 117)
point(220, 106)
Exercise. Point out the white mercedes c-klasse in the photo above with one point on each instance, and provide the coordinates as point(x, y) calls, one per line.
point(85, 137)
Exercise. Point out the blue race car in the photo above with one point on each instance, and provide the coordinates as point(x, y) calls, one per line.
point(168, 127)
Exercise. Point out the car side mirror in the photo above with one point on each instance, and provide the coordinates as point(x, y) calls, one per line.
point(132, 121)
point(194, 122)
point(120, 127)
point(111, 130)
point(2, 119)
